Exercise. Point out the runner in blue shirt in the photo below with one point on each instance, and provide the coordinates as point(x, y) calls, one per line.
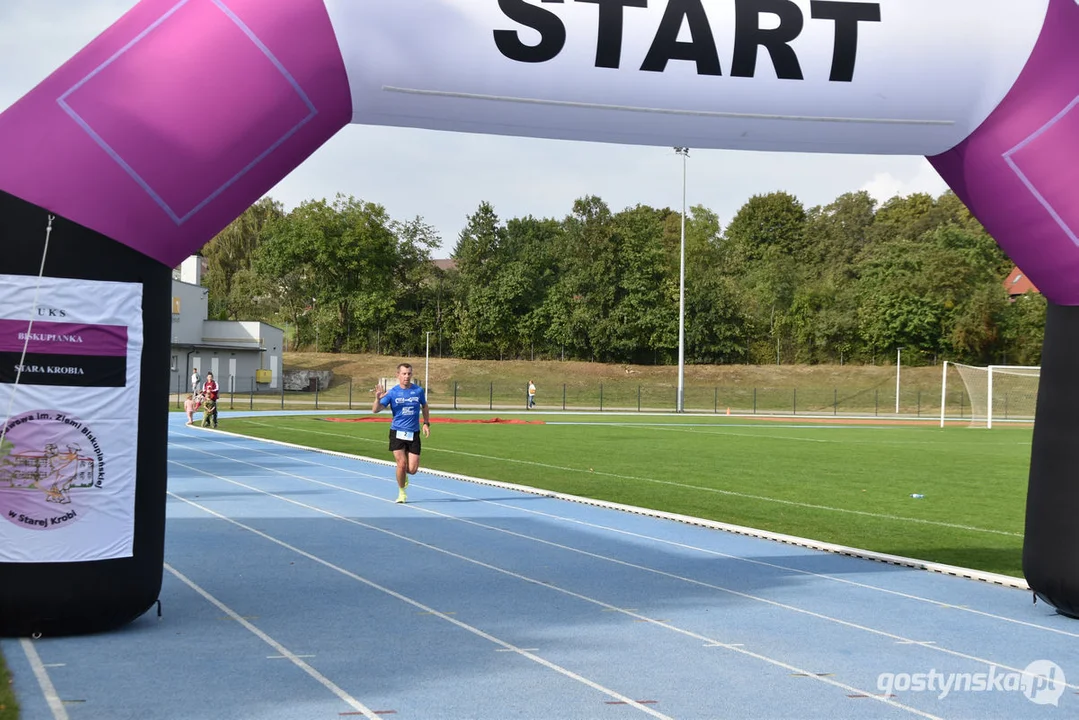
point(406, 401)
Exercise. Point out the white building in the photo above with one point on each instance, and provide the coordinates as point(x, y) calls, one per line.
point(244, 357)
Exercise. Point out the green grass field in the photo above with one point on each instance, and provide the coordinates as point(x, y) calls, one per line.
point(845, 484)
point(9, 708)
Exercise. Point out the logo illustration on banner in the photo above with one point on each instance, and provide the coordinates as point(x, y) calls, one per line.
point(48, 461)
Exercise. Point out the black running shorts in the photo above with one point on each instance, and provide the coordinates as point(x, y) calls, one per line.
point(412, 447)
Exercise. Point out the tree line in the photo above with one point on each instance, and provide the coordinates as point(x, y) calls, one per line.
point(847, 282)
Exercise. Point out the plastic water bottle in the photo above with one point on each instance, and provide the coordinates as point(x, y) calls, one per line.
point(917, 496)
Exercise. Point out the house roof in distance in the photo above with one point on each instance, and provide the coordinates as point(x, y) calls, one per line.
point(1018, 283)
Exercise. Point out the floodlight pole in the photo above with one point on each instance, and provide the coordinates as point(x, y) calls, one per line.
point(681, 404)
point(427, 362)
point(898, 361)
point(943, 391)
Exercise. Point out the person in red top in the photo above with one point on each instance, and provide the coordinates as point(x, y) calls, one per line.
point(210, 393)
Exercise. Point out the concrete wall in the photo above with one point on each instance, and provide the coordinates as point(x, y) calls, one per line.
point(301, 379)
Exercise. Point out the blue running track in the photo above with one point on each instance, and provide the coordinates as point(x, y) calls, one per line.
point(295, 589)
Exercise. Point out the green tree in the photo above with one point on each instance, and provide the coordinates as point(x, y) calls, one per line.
point(329, 262)
point(480, 316)
point(976, 323)
point(767, 227)
point(530, 273)
point(580, 304)
point(478, 245)
point(643, 315)
point(824, 322)
point(252, 297)
point(936, 295)
point(837, 233)
point(1023, 330)
point(766, 245)
point(718, 323)
point(230, 253)
point(904, 218)
point(414, 292)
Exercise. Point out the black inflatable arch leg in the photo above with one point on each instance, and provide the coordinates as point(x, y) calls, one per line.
point(82, 597)
point(1051, 544)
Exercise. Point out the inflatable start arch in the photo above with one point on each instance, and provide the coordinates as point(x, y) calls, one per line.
point(166, 127)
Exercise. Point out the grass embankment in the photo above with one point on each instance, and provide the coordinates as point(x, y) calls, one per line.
point(473, 384)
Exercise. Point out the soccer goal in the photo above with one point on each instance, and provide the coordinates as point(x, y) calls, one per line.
point(995, 393)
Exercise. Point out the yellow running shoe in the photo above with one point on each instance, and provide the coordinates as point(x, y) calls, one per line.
point(401, 497)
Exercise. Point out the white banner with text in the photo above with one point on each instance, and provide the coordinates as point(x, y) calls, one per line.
point(67, 476)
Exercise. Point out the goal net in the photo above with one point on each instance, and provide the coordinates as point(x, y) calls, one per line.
point(991, 394)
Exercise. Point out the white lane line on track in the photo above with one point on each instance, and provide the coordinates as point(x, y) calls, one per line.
point(56, 705)
point(352, 702)
point(751, 561)
point(898, 638)
point(764, 563)
point(243, 439)
point(403, 598)
point(671, 483)
point(532, 581)
point(283, 657)
point(663, 573)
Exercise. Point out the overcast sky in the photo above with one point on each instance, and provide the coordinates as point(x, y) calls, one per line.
point(444, 176)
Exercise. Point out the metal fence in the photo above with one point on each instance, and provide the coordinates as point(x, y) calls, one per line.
point(358, 394)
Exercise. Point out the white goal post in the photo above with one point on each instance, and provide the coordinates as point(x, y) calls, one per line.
point(998, 393)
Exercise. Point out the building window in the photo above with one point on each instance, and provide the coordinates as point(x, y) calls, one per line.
point(175, 362)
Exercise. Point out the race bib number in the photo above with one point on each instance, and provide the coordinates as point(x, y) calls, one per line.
point(406, 436)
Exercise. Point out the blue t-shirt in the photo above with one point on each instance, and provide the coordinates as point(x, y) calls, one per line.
point(405, 404)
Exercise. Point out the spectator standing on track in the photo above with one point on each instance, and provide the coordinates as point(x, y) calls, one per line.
point(531, 394)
